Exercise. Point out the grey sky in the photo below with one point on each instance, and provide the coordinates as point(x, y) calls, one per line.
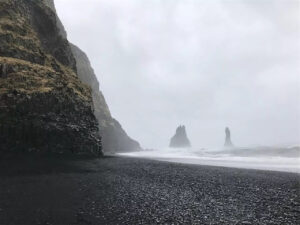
point(204, 64)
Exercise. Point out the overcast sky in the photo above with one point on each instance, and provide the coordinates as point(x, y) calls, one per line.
point(204, 64)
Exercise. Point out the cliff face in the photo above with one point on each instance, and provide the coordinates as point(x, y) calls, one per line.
point(49, 95)
point(44, 106)
point(114, 137)
point(51, 5)
point(180, 139)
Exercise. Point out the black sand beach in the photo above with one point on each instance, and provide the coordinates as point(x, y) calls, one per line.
point(116, 190)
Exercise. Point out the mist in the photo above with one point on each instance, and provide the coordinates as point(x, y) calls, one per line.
point(204, 64)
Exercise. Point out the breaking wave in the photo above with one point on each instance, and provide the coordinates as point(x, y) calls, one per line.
point(264, 158)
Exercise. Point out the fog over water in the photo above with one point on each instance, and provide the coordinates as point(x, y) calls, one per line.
point(204, 64)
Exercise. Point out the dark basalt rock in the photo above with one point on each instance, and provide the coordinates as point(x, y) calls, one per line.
point(228, 142)
point(44, 107)
point(180, 139)
point(62, 31)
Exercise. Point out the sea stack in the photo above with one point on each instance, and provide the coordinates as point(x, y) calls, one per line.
point(228, 142)
point(180, 139)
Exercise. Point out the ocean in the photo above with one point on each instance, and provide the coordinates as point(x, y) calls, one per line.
point(285, 159)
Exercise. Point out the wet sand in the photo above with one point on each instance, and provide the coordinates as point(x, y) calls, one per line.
point(120, 190)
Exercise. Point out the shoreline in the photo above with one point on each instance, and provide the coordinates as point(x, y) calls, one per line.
point(123, 190)
point(229, 165)
point(219, 162)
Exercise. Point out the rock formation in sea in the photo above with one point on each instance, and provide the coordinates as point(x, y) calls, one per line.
point(180, 139)
point(48, 102)
point(228, 142)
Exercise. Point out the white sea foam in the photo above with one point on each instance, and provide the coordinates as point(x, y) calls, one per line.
point(264, 158)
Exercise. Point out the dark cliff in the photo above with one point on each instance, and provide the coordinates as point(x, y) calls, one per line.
point(49, 94)
point(114, 137)
point(44, 105)
point(180, 139)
